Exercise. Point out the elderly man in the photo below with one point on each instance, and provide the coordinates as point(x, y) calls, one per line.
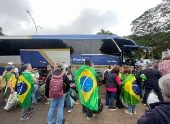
point(11, 82)
point(141, 63)
point(159, 113)
point(16, 72)
point(50, 69)
point(24, 95)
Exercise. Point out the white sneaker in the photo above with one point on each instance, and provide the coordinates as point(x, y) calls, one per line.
point(107, 106)
point(113, 109)
point(69, 111)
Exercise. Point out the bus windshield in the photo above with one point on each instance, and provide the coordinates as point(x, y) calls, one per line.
point(130, 57)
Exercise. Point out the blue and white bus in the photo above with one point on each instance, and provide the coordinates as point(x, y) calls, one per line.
point(102, 50)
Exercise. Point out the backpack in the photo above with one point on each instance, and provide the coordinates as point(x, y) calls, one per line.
point(105, 75)
point(119, 103)
point(56, 86)
point(100, 107)
point(99, 78)
point(137, 74)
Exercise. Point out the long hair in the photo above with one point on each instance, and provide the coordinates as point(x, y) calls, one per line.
point(110, 67)
point(115, 70)
point(127, 71)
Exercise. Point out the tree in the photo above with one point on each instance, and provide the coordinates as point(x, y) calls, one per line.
point(154, 20)
point(1, 33)
point(158, 42)
point(102, 31)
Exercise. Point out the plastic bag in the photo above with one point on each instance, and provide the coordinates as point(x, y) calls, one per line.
point(42, 90)
point(12, 101)
point(124, 104)
point(73, 94)
point(152, 98)
point(72, 102)
point(69, 77)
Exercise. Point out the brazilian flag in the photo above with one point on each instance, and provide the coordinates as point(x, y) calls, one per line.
point(121, 76)
point(10, 77)
point(130, 90)
point(24, 89)
point(86, 84)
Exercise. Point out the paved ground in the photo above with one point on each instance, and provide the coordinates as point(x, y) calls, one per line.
point(39, 116)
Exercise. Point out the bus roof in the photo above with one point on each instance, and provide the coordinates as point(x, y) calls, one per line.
point(67, 37)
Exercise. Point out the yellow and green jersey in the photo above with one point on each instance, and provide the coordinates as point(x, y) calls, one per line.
point(9, 76)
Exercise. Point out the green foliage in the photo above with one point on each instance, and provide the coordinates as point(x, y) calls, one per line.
point(158, 42)
point(153, 20)
point(102, 31)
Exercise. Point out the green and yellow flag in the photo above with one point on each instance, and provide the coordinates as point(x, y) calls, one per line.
point(121, 76)
point(24, 89)
point(86, 84)
point(130, 90)
point(9, 76)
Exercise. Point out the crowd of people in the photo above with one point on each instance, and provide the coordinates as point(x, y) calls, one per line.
point(122, 84)
point(30, 86)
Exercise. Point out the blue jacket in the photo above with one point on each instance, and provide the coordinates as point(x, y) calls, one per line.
point(110, 80)
point(159, 113)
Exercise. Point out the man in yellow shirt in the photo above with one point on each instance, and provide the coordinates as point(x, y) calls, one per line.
point(10, 81)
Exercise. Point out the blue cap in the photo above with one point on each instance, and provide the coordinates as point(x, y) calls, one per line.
point(9, 68)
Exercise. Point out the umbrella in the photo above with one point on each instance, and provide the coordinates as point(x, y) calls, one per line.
point(164, 67)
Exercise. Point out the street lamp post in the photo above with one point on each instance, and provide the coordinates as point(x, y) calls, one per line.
point(36, 27)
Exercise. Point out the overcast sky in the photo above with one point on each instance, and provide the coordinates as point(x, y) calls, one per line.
point(71, 16)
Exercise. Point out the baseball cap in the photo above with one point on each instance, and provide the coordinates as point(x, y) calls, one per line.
point(65, 66)
point(34, 69)
point(10, 63)
point(9, 68)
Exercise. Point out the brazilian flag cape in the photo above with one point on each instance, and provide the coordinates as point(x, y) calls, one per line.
point(26, 84)
point(86, 83)
point(10, 76)
point(130, 90)
point(121, 76)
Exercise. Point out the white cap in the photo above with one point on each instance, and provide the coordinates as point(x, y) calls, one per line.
point(10, 63)
point(65, 66)
point(34, 69)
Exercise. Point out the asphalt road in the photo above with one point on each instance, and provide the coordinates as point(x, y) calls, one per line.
point(39, 116)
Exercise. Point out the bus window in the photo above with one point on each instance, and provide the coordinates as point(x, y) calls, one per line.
point(33, 44)
point(96, 45)
point(52, 44)
point(36, 44)
point(20, 44)
point(6, 47)
point(130, 57)
point(108, 47)
point(135, 55)
point(80, 46)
